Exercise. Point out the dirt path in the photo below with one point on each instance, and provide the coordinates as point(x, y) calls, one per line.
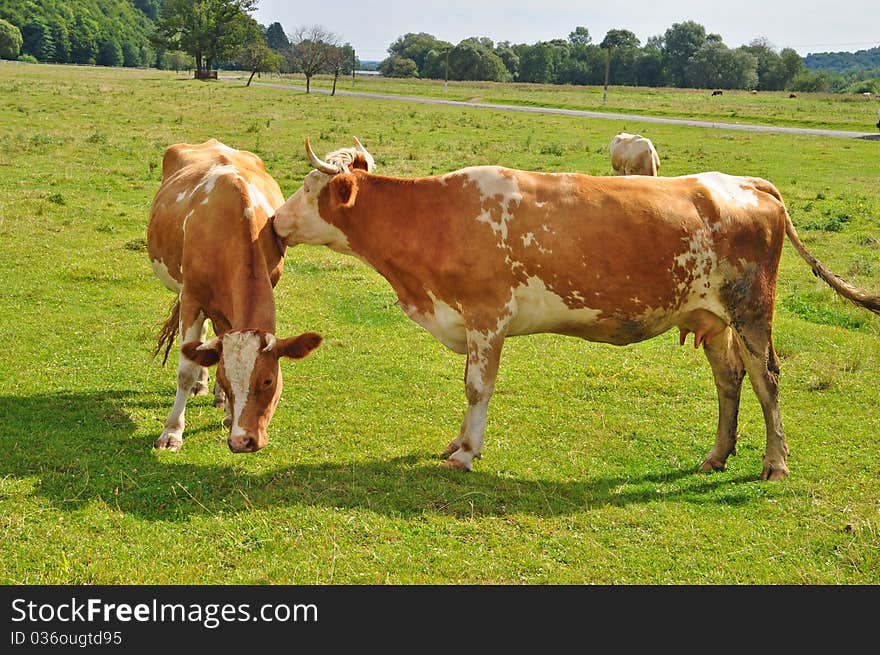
point(586, 114)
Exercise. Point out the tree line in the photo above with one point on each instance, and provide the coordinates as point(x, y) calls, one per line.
point(104, 32)
point(685, 55)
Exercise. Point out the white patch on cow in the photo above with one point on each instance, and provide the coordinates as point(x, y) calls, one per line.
point(259, 199)
point(728, 188)
point(210, 180)
point(495, 186)
point(181, 196)
point(249, 214)
point(222, 147)
point(240, 350)
point(536, 308)
point(529, 239)
point(165, 276)
point(445, 323)
point(186, 219)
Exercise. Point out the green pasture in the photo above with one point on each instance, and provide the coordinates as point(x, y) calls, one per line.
point(816, 110)
point(589, 473)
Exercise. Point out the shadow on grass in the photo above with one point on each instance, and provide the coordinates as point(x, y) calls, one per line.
point(80, 450)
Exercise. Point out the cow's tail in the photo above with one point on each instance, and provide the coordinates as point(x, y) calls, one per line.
point(168, 332)
point(860, 297)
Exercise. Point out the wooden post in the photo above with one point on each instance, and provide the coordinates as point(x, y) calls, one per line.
point(607, 75)
point(446, 79)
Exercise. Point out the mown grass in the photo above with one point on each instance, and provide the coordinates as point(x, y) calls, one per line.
point(589, 474)
point(814, 110)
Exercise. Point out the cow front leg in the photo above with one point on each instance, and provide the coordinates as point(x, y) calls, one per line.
point(727, 367)
point(481, 369)
point(191, 328)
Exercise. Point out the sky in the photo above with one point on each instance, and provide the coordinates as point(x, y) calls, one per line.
point(371, 26)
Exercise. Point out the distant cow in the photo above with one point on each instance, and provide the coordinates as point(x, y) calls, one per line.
point(485, 253)
point(792, 95)
point(718, 92)
point(210, 242)
point(633, 154)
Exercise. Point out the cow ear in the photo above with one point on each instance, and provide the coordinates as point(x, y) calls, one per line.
point(203, 354)
point(344, 189)
point(297, 347)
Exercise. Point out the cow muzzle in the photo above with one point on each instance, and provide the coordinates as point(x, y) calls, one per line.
point(247, 442)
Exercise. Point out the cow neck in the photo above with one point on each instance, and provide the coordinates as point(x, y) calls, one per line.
point(392, 236)
point(252, 298)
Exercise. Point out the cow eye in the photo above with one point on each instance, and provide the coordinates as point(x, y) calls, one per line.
point(267, 382)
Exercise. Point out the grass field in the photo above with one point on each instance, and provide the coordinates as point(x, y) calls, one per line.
point(589, 473)
point(816, 110)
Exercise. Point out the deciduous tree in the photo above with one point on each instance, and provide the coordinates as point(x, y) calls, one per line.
point(210, 30)
point(10, 40)
point(310, 50)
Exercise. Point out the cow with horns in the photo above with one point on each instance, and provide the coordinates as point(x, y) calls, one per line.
point(210, 241)
point(485, 253)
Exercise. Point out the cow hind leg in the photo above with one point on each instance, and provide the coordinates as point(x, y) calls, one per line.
point(481, 370)
point(191, 328)
point(722, 351)
point(762, 365)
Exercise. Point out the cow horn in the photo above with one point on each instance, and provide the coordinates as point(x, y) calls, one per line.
point(320, 164)
point(270, 342)
point(360, 148)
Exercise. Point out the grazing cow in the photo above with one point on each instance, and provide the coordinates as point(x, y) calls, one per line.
point(210, 242)
point(792, 95)
point(633, 154)
point(486, 252)
point(717, 92)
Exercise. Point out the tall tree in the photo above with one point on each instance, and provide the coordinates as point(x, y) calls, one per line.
point(10, 40)
point(580, 36)
point(276, 38)
point(416, 47)
point(210, 30)
point(309, 51)
point(682, 41)
point(257, 57)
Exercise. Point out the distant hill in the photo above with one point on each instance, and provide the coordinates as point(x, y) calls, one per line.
point(843, 62)
point(105, 32)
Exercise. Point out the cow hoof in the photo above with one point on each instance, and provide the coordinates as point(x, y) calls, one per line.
point(227, 422)
point(221, 404)
point(199, 389)
point(168, 441)
point(774, 472)
point(457, 464)
point(709, 465)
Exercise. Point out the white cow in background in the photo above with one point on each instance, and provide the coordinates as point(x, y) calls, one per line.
point(633, 154)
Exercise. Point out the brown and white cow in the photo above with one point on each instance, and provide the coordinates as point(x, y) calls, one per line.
point(210, 242)
point(486, 252)
point(634, 154)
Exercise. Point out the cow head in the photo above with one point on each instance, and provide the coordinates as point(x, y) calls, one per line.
point(249, 373)
point(299, 219)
